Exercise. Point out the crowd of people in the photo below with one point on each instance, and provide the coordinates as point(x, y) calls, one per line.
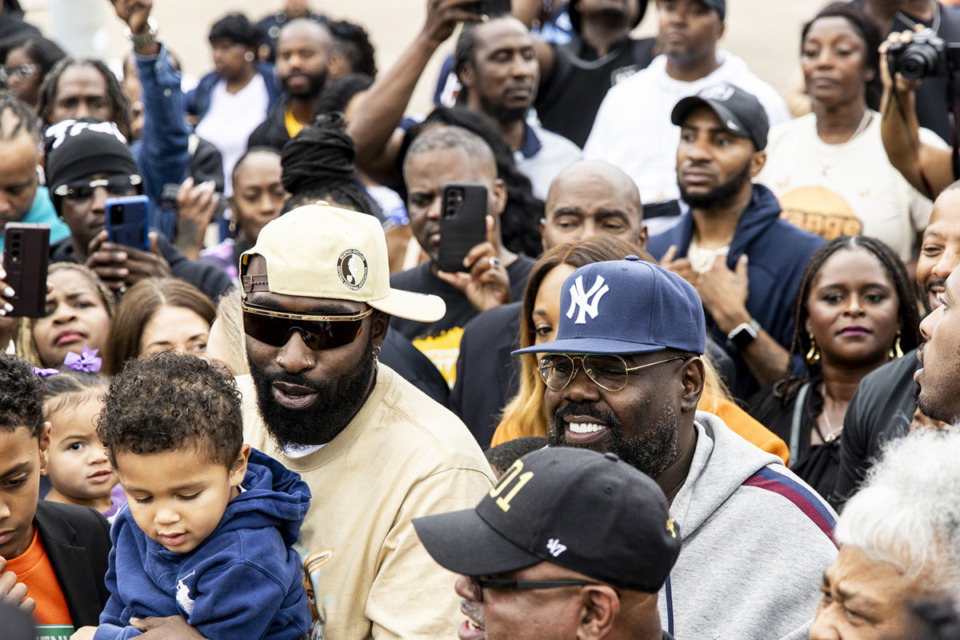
point(598, 348)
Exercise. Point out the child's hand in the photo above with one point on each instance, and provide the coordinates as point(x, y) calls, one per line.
point(84, 633)
point(172, 628)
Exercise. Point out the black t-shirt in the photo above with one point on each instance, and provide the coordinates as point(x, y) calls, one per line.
point(487, 375)
point(421, 279)
point(568, 101)
point(440, 340)
point(881, 409)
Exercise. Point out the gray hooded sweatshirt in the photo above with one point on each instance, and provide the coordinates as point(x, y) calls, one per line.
point(756, 541)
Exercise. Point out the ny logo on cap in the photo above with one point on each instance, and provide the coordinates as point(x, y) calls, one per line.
point(582, 300)
point(720, 93)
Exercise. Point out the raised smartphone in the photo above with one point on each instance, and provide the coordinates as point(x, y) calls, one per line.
point(26, 250)
point(463, 223)
point(128, 221)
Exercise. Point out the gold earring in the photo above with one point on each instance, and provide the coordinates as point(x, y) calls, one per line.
point(813, 356)
point(895, 350)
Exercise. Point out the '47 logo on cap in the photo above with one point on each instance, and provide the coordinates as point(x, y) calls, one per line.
point(582, 300)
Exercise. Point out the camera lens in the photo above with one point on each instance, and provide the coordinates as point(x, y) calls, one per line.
point(116, 215)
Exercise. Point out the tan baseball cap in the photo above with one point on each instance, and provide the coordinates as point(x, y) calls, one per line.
point(319, 251)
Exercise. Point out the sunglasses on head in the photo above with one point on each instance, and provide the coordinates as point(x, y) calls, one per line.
point(318, 332)
point(121, 185)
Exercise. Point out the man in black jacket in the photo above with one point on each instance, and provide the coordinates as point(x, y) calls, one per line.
point(54, 553)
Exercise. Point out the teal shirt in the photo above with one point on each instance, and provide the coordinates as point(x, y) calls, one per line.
point(42, 212)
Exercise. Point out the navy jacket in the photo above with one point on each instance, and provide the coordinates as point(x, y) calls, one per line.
point(777, 252)
point(244, 581)
point(198, 100)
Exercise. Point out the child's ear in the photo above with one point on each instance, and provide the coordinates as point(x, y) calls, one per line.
point(239, 469)
point(44, 447)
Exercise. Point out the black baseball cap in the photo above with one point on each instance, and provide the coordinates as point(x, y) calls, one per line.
point(720, 6)
point(740, 112)
point(585, 511)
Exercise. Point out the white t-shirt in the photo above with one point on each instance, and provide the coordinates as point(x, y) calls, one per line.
point(845, 189)
point(633, 129)
point(231, 119)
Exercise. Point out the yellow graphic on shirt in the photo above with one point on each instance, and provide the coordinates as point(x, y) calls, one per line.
point(442, 350)
point(821, 211)
point(312, 566)
point(293, 126)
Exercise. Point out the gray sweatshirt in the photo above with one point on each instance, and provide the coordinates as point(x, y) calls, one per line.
point(756, 540)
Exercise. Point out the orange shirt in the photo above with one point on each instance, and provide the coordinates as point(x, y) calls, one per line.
point(33, 569)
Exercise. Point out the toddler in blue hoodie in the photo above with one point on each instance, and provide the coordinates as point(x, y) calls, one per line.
point(210, 523)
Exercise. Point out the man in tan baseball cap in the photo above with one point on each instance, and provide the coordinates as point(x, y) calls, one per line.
point(375, 450)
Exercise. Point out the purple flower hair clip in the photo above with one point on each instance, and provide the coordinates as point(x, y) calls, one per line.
point(43, 373)
point(87, 361)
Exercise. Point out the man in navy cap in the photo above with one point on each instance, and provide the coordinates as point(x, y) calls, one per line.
point(570, 543)
point(624, 375)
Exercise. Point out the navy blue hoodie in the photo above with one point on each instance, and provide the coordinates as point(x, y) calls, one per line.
point(777, 254)
point(243, 581)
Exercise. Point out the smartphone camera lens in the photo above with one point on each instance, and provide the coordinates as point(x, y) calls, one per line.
point(116, 215)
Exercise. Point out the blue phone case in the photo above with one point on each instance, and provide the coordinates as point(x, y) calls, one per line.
point(128, 221)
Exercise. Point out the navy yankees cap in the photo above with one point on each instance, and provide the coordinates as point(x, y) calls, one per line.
point(585, 511)
point(740, 112)
point(626, 306)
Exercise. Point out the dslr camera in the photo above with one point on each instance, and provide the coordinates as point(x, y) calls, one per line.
point(927, 55)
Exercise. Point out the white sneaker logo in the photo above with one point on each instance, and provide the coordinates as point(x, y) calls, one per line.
point(583, 301)
point(555, 548)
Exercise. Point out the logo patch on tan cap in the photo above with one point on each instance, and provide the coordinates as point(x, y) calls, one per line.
point(352, 269)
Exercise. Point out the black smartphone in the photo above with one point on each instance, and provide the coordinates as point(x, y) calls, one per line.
point(26, 251)
point(488, 7)
point(128, 221)
point(463, 223)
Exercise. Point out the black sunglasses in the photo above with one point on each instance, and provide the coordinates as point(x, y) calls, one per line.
point(273, 327)
point(478, 584)
point(120, 185)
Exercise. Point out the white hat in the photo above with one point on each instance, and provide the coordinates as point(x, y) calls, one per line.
point(319, 251)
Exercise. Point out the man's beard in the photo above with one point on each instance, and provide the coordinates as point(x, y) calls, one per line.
point(721, 196)
point(335, 406)
point(312, 90)
point(652, 451)
point(501, 113)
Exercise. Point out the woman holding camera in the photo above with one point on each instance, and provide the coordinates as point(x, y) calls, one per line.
point(828, 168)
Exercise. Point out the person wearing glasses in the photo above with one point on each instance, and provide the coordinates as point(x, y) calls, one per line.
point(375, 451)
point(87, 162)
point(529, 556)
point(624, 375)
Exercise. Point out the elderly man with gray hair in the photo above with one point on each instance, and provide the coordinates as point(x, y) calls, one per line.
point(898, 569)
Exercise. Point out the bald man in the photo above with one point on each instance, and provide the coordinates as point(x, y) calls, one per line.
point(592, 197)
point(303, 56)
point(588, 198)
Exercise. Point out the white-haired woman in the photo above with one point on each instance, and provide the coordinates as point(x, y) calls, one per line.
point(900, 545)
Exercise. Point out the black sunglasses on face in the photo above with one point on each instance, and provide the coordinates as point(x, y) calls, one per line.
point(478, 584)
point(116, 186)
point(318, 332)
